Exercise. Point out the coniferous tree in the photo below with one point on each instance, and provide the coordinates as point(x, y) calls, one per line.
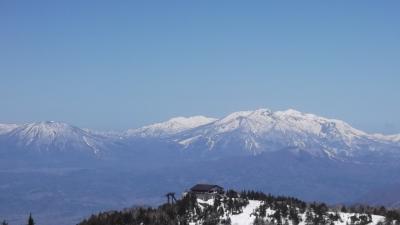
point(309, 218)
point(294, 217)
point(259, 221)
point(30, 220)
point(4, 222)
point(226, 221)
point(286, 210)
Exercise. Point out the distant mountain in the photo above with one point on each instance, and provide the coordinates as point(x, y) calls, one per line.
point(240, 133)
point(5, 128)
point(52, 136)
point(255, 132)
point(170, 127)
point(391, 138)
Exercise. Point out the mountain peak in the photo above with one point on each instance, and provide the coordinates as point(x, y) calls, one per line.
point(171, 126)
point(256, 131)
point(264, 130)
point(262, 111)
point(292, 112)
point(47, 128)
point(192, 121)
point(52, 135)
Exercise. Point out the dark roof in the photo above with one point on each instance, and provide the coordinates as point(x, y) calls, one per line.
point(204, 187)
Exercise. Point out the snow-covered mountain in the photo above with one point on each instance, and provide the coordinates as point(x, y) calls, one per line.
point(263, 131)
point(170, 127)
point(5, 128)
point(52, 136)
point(391, 138)
point(239, 133)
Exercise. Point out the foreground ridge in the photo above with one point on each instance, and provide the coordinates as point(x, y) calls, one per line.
point(246, 208)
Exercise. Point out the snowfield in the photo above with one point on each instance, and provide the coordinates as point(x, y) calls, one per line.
point(172, 126)
point(246, 217)
point(249, 214)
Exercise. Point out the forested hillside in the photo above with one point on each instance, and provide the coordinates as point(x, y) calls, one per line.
point(245, 208)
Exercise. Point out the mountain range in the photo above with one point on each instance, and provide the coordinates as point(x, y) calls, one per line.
point(239, 133)
point(80, 171)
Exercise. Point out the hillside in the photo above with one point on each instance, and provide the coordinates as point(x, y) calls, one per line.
point(246, 208)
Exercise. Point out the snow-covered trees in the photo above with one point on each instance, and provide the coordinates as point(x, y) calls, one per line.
point(257, 208)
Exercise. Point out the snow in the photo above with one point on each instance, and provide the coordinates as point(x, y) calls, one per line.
point(172, 126)
point(55, 136)
point(208, 202)
point(6, 128)
point(262, 130)
point(90, 143)
point(390, 138)
point(254, 132)
point(246, 217)
point(346, 219)
point(187, 142)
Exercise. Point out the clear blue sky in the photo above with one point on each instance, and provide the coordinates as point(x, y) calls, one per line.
point(121, 64)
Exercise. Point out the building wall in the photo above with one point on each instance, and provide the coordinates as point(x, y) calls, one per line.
point(205, 196)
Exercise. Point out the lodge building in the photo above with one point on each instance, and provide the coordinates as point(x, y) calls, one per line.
point(206, 191)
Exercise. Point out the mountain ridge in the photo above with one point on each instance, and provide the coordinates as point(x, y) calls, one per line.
point(263, 130)
point(169, 127)
point(251, 132)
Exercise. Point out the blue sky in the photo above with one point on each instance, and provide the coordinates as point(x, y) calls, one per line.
point(121, 64)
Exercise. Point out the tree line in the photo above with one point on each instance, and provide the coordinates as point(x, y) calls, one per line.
point(286, 210)
point(30, 221)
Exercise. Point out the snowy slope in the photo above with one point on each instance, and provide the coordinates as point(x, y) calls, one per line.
point(247, 216)
point(263, 130)
point(53, 136)
point(249, 212)
point(5, 128)
point(172, 126)
point(390, 138)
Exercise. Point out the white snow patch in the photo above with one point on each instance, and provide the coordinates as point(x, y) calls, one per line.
point(187, 142)
point(172, 126)
point(246, 217)
point(6, 128)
